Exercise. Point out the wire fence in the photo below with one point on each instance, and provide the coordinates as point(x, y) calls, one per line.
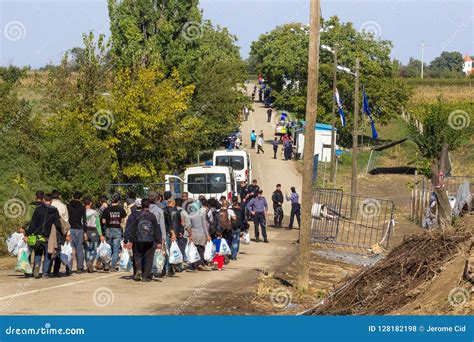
point(348, 220)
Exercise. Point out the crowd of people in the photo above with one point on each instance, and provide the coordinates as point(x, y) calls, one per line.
point(143, 226)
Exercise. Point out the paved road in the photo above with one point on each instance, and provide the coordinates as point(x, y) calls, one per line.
point(114, 293)
point(267, 170)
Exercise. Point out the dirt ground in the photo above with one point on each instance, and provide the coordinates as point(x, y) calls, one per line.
point(274, 291)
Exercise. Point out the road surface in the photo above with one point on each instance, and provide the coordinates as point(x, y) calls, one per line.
point(116, 294)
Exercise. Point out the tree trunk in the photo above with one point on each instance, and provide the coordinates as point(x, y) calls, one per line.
point(444, 208)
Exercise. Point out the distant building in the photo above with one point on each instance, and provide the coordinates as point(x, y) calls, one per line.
point(468, 69)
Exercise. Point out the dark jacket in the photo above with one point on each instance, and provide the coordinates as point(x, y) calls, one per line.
point(238, 223)
point(243, 193)
point(77, 215)
point(43, 219)
point(277, 197)
point(131, 232)
point(253, 189)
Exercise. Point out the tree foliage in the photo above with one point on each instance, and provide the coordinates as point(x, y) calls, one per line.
point(412, 69)
point(282, 57)
point(151, 133)
point(147, 32)
point(443, 124)
point(219, 77)
point(173, 36)
point(448, 64)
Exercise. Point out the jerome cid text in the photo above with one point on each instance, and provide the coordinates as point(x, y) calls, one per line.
point(456, 328)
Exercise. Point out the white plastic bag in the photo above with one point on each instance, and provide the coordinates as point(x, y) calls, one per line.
point(125, 261)
point(209, 251)
point(158, 262)
point(245, 239)
point(23, 264)
point(225, 249)
point(66, 254)
point(14, 242)
point(176, 257)
point(104, 252)
point(192, 254)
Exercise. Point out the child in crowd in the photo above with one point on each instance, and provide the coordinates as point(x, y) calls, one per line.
point(218, 261)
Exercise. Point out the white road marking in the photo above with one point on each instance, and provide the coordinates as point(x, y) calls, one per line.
point(56, 287)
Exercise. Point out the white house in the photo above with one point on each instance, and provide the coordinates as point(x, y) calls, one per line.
point(468, 69)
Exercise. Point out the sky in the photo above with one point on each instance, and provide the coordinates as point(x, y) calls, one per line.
point(37, 32)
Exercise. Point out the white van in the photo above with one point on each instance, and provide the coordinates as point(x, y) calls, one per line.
point(238, 160)
point(209, 181)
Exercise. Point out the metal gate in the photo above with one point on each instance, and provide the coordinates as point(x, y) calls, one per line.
point(348, 220)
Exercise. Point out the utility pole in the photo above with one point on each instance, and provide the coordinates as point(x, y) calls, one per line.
point(332, 177)
point(311, 111)
point(422, 58)
point(354, 131)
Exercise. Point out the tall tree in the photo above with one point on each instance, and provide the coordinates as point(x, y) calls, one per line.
point(172, 35)
point(150, 30)
point(448, 64)
point(219, 77)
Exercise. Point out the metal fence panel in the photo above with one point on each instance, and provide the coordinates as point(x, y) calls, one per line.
point(452, 183)
point(355, 221)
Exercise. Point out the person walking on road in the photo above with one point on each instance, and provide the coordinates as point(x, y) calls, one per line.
point(199, 232)
point(44, 219)
point(246, 113)
point(77, 220)
point(168, 211)
point(275, 147)
point(269, 114)
point(277, 199)
point(253, 139)
point(260, 145)
point(238, 226)
point(226, 218)
point(112, 218)
point(259, 207)
point(92, 235)
point(56, 202)
point(155, 209)
point(295, 207)
point(145, 237)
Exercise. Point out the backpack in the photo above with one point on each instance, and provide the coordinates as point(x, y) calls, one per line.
point(214, 224)
point(224, 221)
point(177, 222)
point(144, 229)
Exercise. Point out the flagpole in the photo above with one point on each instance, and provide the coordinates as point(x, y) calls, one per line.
point(332, 177)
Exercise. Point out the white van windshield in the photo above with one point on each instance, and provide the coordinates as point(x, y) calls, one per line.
point(235, 162)
point(207, 183)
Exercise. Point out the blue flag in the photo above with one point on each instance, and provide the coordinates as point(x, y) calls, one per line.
point(339, 106)
point(366, 109)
